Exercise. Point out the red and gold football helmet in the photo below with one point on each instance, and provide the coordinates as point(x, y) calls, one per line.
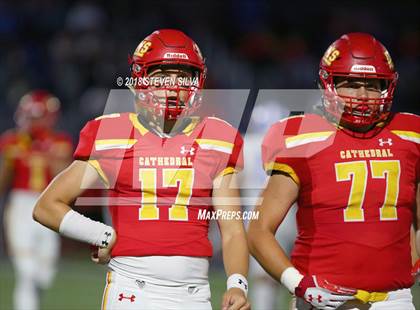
point(167, 48)
point(357, 55)
point(37, 109)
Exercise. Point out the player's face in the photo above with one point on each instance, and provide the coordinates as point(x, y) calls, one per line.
point(33, 123)
point(170, 95)
point(170, 89)
point(362, 90)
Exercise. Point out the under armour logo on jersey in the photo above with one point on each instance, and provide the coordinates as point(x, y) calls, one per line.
point(130, 298)
point(382, 142)
point(184, 150)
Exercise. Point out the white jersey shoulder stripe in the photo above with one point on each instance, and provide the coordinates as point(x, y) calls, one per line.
point(306, 138)
point(112, 115)
point(109, 144)
point(215, 145)
point(291, 117)
point(407, 135)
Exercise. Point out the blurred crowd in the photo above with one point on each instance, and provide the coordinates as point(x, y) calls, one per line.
point(77, 49)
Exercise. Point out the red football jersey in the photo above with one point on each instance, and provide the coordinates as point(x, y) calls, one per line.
point(30, 156)
point(355, 198)
point(158, 185)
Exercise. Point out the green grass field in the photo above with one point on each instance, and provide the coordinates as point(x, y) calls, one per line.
point(79, 285)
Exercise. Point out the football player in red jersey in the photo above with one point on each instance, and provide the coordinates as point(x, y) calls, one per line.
point(354, 173)
point(31, 154)
point(162, 167)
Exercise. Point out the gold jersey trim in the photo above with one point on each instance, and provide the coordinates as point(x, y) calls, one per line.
point(136, 123)
point(95, 164)
point(283, 168)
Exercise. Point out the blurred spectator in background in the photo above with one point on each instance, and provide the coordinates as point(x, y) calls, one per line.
point(78, 49)
point(31, 155)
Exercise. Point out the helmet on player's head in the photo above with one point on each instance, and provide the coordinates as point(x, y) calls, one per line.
point(357, 56)
point(163, 49)
point(37, 109)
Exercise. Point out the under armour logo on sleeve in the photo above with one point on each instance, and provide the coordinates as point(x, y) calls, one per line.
point(105, 242)
point(243, 283)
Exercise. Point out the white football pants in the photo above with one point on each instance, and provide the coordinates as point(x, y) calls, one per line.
point(123, 293)
point(33, 250)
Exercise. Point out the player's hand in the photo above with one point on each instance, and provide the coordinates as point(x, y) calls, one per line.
point(322, 294)
point(235, 299)
point(103, 255)
point(415, 271)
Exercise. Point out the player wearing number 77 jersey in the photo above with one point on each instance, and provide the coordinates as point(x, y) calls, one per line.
point(354, 172)
point(162, 166)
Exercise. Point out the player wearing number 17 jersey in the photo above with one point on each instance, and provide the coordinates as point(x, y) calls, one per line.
point(163, 167)
point(354, 172)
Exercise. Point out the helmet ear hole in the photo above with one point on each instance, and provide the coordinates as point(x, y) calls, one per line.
point(323, 74)
point(136, 68)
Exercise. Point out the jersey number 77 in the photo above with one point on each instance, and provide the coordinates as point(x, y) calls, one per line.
point(356, 172)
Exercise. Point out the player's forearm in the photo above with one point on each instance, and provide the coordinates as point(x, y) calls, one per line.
point(234, 244)
point(54, 203)
point(50, 212)
point(266, 250)
point(235, 253)
point(53, 209)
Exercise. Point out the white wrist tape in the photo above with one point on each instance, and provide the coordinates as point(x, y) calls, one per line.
point(77, 226)
point(239, 281)
point(291, 278)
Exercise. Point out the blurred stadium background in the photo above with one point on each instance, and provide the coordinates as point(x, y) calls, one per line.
point(77, 49)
